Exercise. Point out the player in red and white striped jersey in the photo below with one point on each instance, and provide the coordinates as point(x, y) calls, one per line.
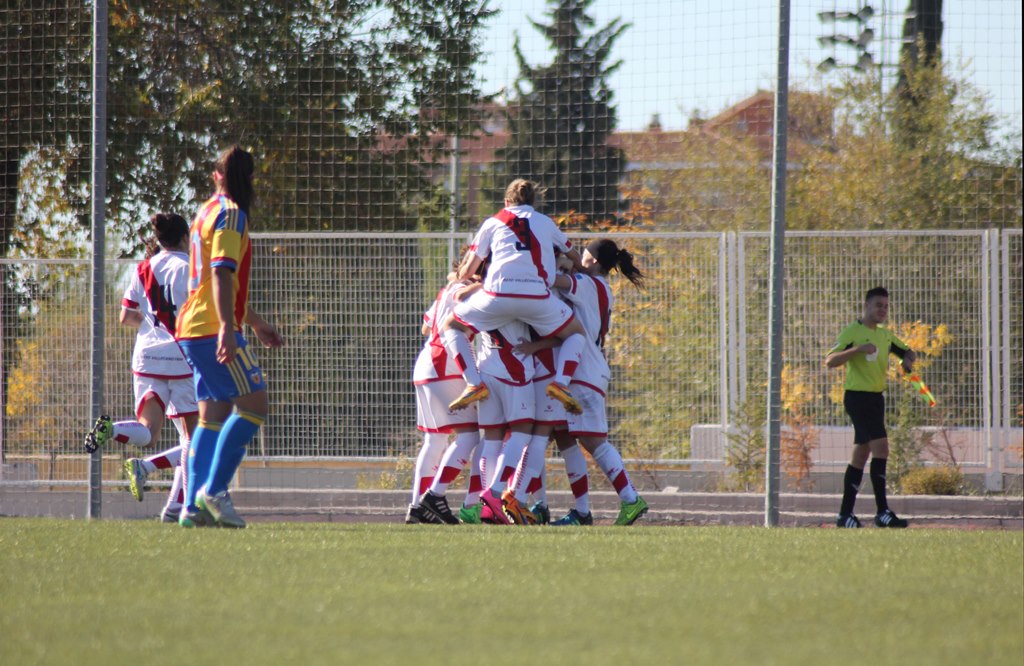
point(438, 381)
point(592, 301)
point(521, 244)
point(162, 377)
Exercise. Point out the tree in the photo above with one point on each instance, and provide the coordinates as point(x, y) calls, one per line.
point(562, 116)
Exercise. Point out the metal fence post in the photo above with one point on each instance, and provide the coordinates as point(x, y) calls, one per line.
point(99, 196)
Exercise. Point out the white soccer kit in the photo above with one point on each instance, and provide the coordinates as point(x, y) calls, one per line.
point(521, 244)
point(436, 376)
point(158, 287)
point(509, 376)
point(592, 299)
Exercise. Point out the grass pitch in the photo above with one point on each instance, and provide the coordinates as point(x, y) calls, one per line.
point(130, 592)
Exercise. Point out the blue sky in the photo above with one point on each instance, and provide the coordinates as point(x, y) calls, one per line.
point(681, 55)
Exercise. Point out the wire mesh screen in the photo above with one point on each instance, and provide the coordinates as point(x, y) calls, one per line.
point(399, 118)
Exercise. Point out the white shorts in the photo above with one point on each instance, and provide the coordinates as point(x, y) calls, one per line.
point(176, 396)
point(507, 404)
point(485, 312)
point(593, 422)
point(548, 410)
point(432, 400)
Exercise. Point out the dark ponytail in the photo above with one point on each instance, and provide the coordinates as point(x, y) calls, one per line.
point(237, 167)
point(165, 230)
point(610, 256)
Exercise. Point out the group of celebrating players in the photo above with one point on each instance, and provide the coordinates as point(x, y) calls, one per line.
point(541, 311)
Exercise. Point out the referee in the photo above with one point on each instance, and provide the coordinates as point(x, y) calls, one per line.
point(864, 347)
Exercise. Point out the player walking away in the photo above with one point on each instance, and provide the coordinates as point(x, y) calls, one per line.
point(591, 297)
point(438, 381)
point(230, 385)
point(162, 377)
point(864, 347)
point(521, 244)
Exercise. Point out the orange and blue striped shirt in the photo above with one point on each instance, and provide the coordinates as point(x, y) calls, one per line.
point(219, 237)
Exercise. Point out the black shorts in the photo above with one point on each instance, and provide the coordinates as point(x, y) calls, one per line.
point(867, 411)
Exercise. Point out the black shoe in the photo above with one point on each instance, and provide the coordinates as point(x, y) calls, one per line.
point(847, 521)
point(437, 507)
point(889, 519)
point(540, 509)
point(416, 514)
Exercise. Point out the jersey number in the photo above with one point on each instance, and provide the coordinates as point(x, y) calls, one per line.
point(521, 228)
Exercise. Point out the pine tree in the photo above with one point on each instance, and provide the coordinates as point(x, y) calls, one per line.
point(562, 116)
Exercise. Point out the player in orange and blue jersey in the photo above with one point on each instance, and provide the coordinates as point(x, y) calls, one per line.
point(226, 373)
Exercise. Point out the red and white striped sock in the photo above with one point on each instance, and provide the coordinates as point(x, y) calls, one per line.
point(490, 450)
point(132, 432)
point(569, 356)
point(163, 460)
point(457, 345)
point(579, 482)
point(434, 445)
point(454, 461)
point(509, 459)
point(608, 459)
point(529, 466)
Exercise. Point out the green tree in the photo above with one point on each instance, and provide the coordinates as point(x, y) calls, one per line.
point(562, 116)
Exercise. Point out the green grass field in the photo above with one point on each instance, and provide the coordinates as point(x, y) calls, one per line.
point(130, 592)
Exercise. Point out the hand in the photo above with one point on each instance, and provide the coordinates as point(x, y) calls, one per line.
point(227, 346)
point(268, 335)
point(908, 365)
point(868, 349)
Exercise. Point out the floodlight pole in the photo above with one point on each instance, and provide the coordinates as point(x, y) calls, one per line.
point(98, 195)
point(777, 273)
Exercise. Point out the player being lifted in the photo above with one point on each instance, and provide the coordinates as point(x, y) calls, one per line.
point(521, 244)
point(162, 376)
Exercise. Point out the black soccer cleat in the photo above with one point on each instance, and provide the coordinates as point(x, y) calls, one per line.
point(889, 519)
point(437, 507)
point(416, 514)
point(849, 521)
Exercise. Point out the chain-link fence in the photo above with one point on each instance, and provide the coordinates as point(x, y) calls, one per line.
point(403, 119)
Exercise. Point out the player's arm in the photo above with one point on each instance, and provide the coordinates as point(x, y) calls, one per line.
point(265, 332)
point(469, 266)
point(534, 346)
point(899, 348)
point(224, 303)
point(130, 317)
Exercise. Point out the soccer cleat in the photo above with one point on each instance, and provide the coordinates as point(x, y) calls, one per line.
point(136, 475)
point(888, 519)
point(515, 510)
point(437, 506)
point(496, 507)
point(220, 507)
point(540, 510)
point(471, 514)
point(849, 520)
point(574, 517)
point(561, 393)
point(196, 518)
point(470, 395)
point(629, 513)
point(415, 515)
point(171, 514)
point(101, 432)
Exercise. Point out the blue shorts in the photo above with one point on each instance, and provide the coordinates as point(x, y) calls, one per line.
point(218, 381)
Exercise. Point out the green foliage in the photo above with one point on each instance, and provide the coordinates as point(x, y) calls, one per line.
point(906, 441)
point(746, 446)
point(944, 480)
point(562, 117)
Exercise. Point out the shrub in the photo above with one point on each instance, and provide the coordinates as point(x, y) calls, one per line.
point(945, 480)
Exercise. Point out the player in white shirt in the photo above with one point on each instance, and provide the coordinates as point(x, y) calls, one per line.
point(162, 377)
point(438, 381)
point(592, 299)
point(521, 244)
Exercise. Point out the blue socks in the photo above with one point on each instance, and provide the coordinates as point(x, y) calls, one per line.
point(236, 434)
